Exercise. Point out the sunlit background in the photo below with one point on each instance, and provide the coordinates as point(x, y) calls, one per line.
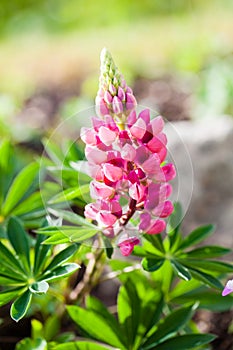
point(177, 54)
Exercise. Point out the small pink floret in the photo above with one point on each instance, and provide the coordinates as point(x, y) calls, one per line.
point(127, 246)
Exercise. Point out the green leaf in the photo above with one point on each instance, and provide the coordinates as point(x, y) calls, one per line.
point(41, 253)
point(19, 239)
point(59, 272)
point(57, 238)
point(168, 326)
point(5, 151)
point(128, 305)
point(33, 202)
point(185, 342)
point(32, 344)
point(70, 193)
point(156, 241)
point(208, 252)
point(100, 309)
point(10, 259)
point(181, 270)
point(9, 271)
point(21, 305)
point(196, 236)
point(9, 294)
point(152, 264)
point(82, 345)
point(19, 187)
point(51, 327)
point(209, 265)
point(175, 220)
point(39, 287)
point(206, 278)
point(62, 257)
point(71, 217)
point(94, 325)
point(74, 234)
point(208, 299)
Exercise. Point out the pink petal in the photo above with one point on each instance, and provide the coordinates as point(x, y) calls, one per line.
point(226, 291)
point(157, 143)
point(101, 106)
point(141, 154)
point(137, 191)
point(169, 171)
point(112, 173)
point(107, 136)
point(91, 211)
point(100, 190)
point(157, 226)
point(145, 115)
point(104, 218)
point(131, 118)
point(157, 125)
point(95, 155)
point(152, 165)
point(131, 102)
point(163, 210)
point(121, 94)
point(138, 129)
point(117, 106)
point(127, 246)
point(108, 97)
point(128, 152)
point(115, 208)
point(88, 136)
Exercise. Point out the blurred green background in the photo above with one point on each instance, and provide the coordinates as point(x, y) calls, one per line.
point(178, 53)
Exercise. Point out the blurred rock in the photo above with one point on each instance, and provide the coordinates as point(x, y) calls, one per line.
point(210, 145)
point(168, 95)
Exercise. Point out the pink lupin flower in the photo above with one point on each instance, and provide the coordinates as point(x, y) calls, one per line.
point(125, 154)
point(127, 246)
point(228, 288)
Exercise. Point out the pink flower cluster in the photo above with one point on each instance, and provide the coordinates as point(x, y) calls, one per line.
point(127, 167)
point(126, 154)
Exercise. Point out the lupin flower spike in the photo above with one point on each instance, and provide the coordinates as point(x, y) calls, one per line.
point(125, 154)
point(114, 96)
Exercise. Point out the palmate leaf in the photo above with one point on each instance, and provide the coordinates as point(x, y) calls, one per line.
point(19, 187)
point(206, 278)
point(185, 342)
point(10, 260)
